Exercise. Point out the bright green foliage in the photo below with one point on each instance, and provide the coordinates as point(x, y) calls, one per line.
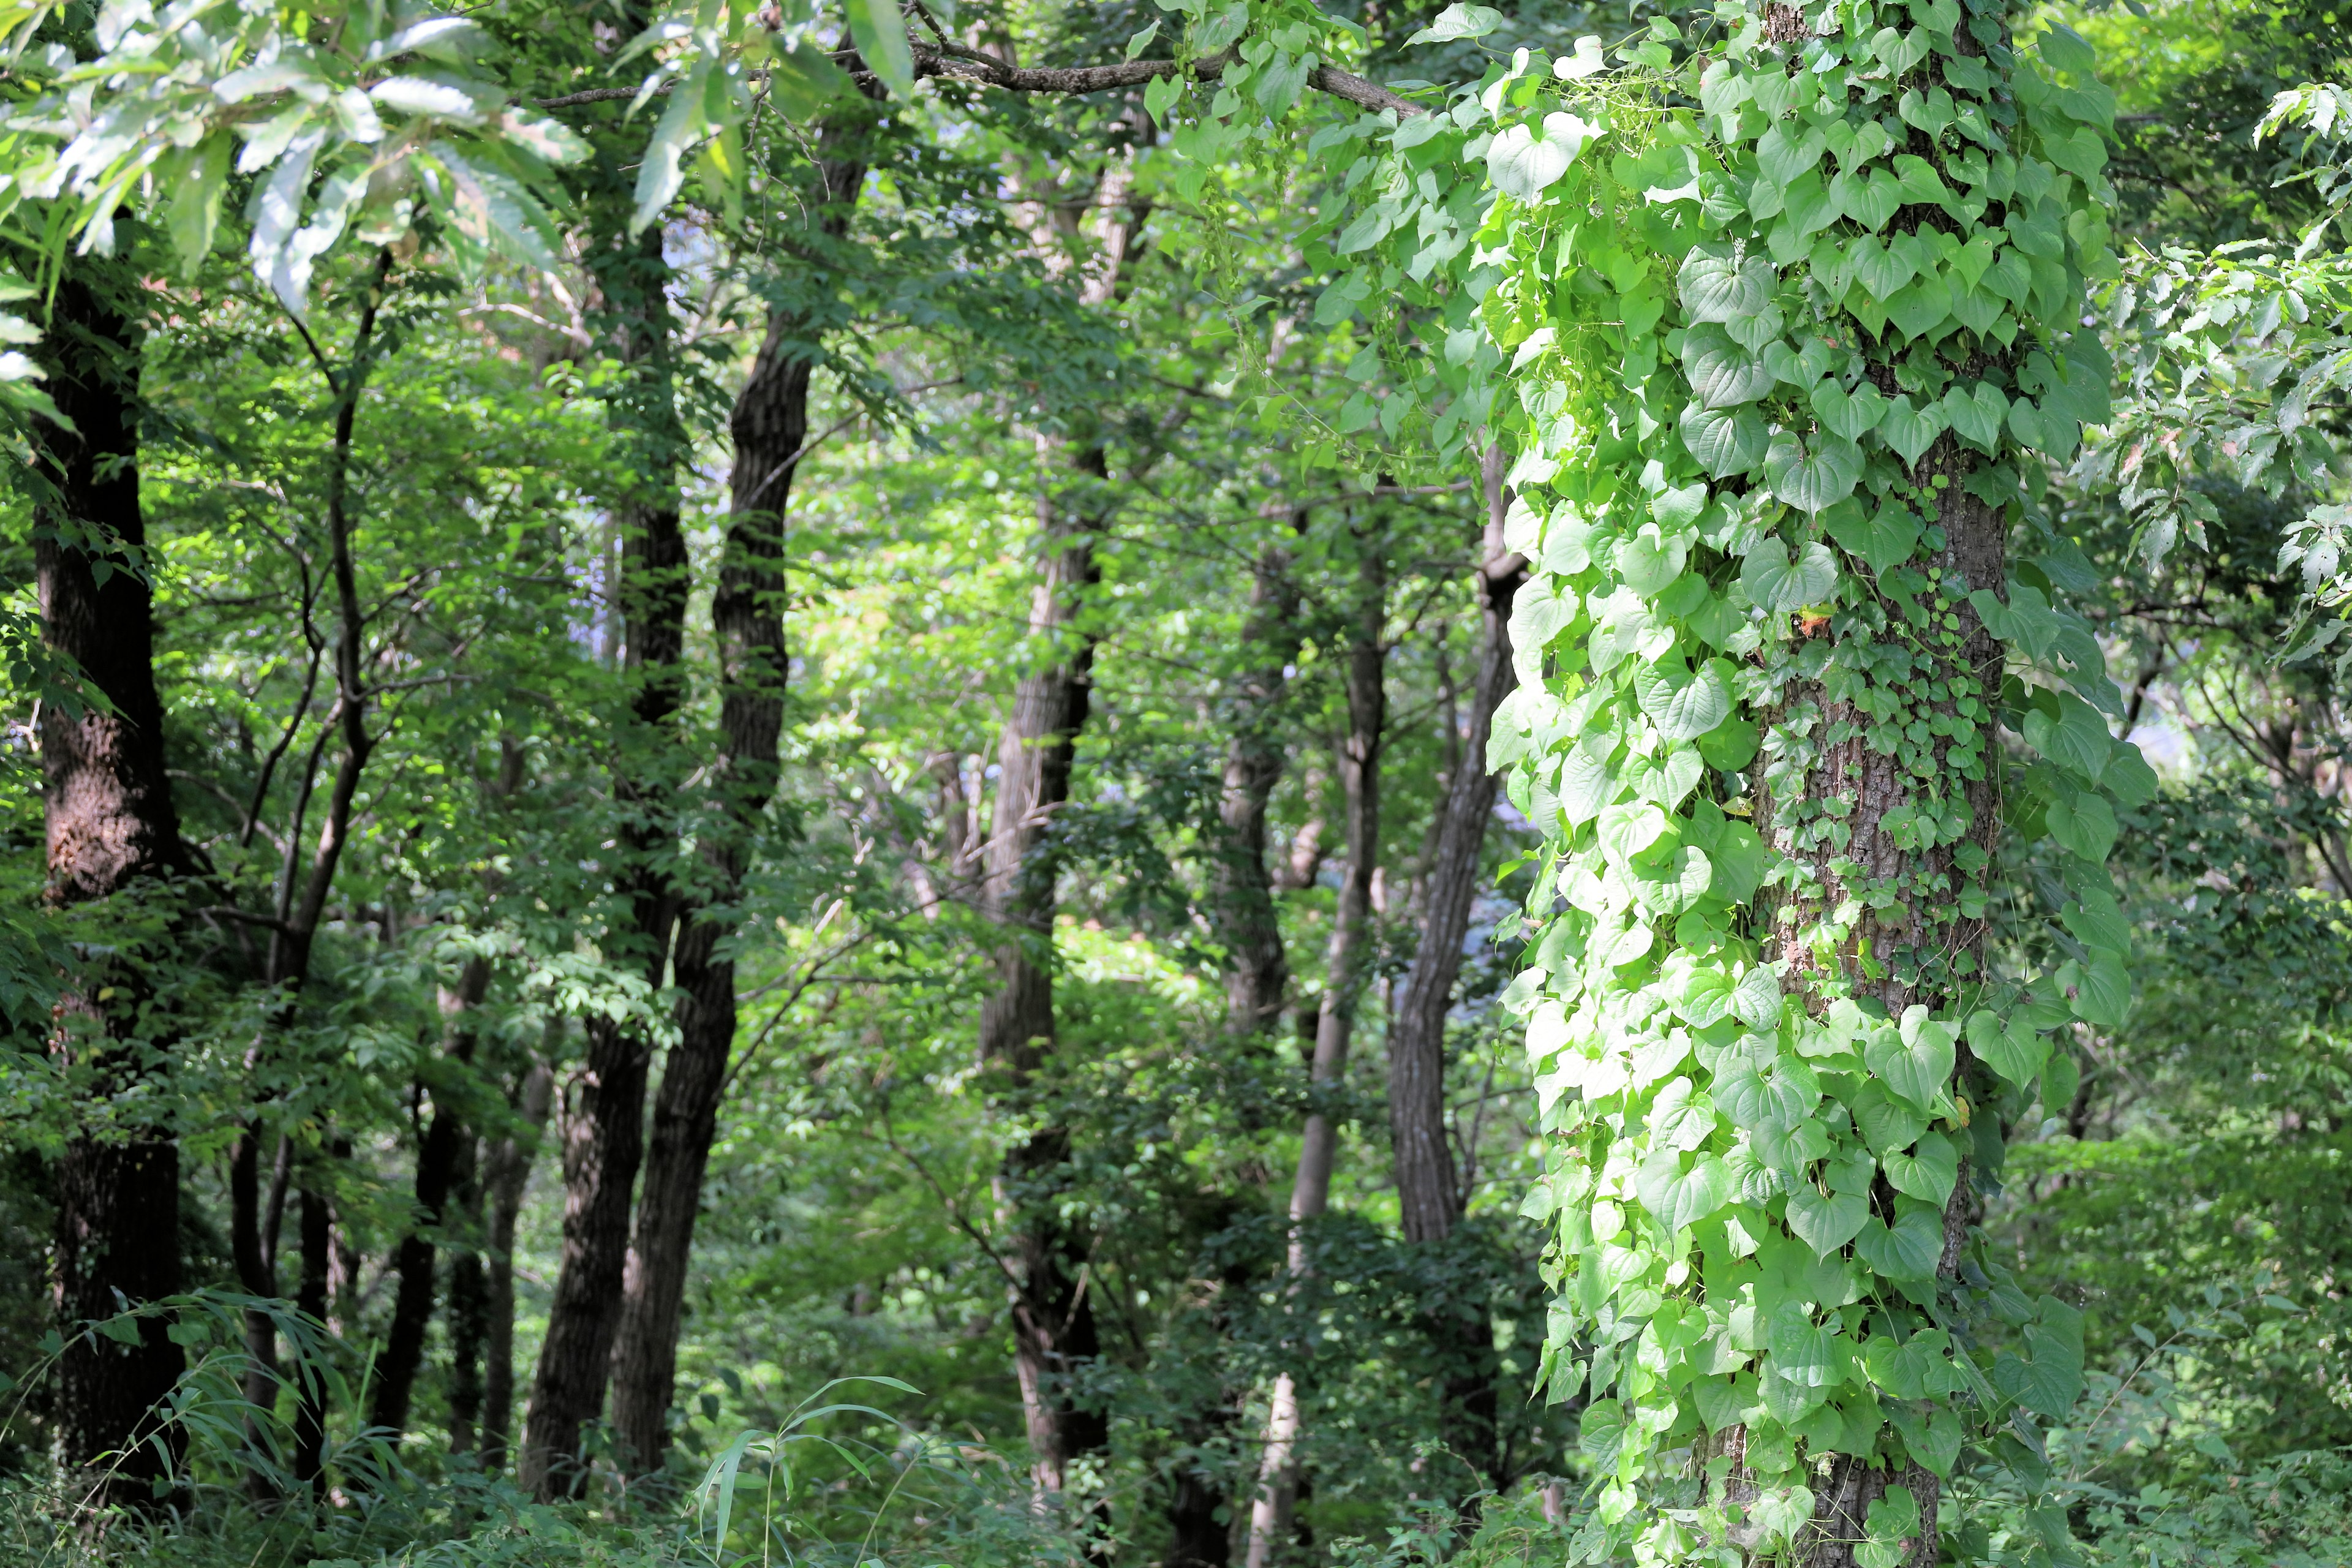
point(1733, 336)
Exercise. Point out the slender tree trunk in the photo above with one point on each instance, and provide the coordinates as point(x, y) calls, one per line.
point(1359, 762)
point(1053, 1320)
point(1429, 1194)
point(505, 1173)
point(438, 1155)
point(470, 1305)
point(604, 1141)
point(1257, 971)
point(317, 1229)
point(770, 427)
point(110, 825)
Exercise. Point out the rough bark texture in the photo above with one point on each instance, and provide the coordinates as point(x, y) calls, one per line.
point(1429, 1193)
point(1053, 1328)
point(604, 1125)
point(1359, 762)
point(1257, 971)
point(770, 428)
point(506, 1171)
point(469, 1306)
point(438, 1156)
point(317, 1229)
point(111, 825)
point(1918, 947)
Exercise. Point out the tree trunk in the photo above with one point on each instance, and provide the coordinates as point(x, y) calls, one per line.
point(469, 1306)
point(604, 1141)
point(1429, 1194)
point(506, 1171)
point(1053, 1320)
point(310, 1379)
point(770, 427)
point(110, 824)
point(1257, 971)
point(1359, 762)
point(437, 1157)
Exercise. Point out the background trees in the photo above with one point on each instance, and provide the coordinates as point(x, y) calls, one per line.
point(853, 746)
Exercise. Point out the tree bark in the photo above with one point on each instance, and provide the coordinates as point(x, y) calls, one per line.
point(110, 825)
point(310, 1379)
point(437, 1157)
point(1257, 970)
point(1429, 1193)
point(469, 1307)
point(1918, 948)
point(506, 1171)
point(1359, 763)
point(770, 427)
point(604, 1142)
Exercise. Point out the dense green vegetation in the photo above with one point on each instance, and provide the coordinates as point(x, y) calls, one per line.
point(1177, 786)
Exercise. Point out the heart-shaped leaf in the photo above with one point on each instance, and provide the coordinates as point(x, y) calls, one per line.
point(1878, 269)
point(1884, 537)
point(1826, 1224)
point(1779, 582)
point(1922, 306)
point(1716, 288)
point(1726, 441)
point(1910, 431)
point(1927, 1172)
point(1459, 21)
point(1976, 412)
point(1757, 998)
point(1915, 1061)
point(1684, 709)
point(1523, 164)
point(1681, 1198)
point(1885, 1121)
point(1848, 415)
point(1869, 201)
point(1910, 1250)
point(1932, 1439)
point(1649, 561)
point(1812, 480)
point(1722, 375)
point(1785, 152)
point(2013, 1050)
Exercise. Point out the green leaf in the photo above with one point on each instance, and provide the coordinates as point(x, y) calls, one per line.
point(1927, 1172)
point(1722, 373)
point(1915, 1061)
point(2104, 992)
point(1910, 1250)
point(802, 81)
point(2015, 1051)
point(1884, 537)
point(1686, 709)
point(880, 33)
point(1869, 201)
point(2066, 50)
point(1848, 415)
point(1813, 481)
point(1976, 415)
point(1524, 163)
point(1681, 1198)
point(1934, 1438)
point(1757, 998)
point(1726, 441)
point(1715, 289)
point(1907, 431)
point(1730, 745)
point(1457, 21)
point(1628, 828)
point(1778, 582)
point(2075, 738)
point(1921, 308)
point(1885, 1121)
point(1586, 61)
point(1918, 1368)
point(1784, 153)
point(1826, 1222)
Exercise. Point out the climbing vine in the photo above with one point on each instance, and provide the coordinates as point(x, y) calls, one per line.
point(1786, 324)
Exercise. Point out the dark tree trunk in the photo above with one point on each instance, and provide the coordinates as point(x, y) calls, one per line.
point(469, 1307)
point(1429, 1198)
point(316, 1226)
point(1257, 971)
point(770, 426)
point(506, 1171)
point(1358, 760)
point(111, 825)
point(604, 1140)
point(438, 1155)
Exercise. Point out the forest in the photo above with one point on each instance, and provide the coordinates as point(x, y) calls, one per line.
point(1228, 783)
